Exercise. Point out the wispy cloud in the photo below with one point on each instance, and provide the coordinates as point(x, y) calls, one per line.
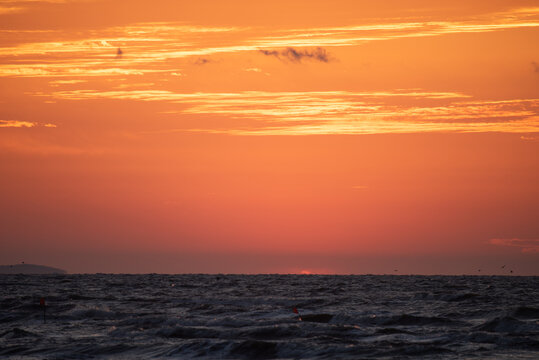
point(56, 83)
point(41, 1)
point(23, 124)
point(202, 61)
point(356, 34)
point(296, 55)
point(258, 97)
point(340, 112)
point(16, 124)
point(150, 46)
point(526, 245)
point(17, 6)
point(142, 48)
point(72, 70)
point(10, 9)
point(257, 70)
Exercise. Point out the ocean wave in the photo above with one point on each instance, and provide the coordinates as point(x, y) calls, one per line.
point(510, 325)
point(17, 333)
point(245, 317)
point(415, 320)
point(526, 312)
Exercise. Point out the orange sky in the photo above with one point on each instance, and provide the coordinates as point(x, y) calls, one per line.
point(278, 136)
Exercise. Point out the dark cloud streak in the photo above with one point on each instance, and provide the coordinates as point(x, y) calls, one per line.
point(295, 55)
point(202, 61)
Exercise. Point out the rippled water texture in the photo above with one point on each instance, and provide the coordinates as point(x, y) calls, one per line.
point(251, 317)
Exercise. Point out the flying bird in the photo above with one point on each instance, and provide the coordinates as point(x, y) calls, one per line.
point(119, 53)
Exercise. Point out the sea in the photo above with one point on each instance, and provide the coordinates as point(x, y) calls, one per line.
point(155, 316)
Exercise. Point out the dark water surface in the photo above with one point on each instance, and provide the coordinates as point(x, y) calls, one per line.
point(250, 317)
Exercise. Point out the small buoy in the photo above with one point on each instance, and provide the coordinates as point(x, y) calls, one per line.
point(42, 304)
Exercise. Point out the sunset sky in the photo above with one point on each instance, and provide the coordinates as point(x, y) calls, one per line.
point(330, 137)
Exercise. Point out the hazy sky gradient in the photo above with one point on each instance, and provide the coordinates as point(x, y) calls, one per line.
point(282, 136)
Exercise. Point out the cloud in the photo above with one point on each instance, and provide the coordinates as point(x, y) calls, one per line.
point(202, 61)
point(70, 70)
point(359, 187)
point(43, 1)
point(153, 44)
point(16, 124)
point(29, 4)
point(66, 82)
point(10, 9)
point(340, 112)
point(23, 124)
point(257, 70)
point(134, 85)
point(59, 83)
point(295, 55)
point(526, 245)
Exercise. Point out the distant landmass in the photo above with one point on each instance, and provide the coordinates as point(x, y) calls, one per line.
point(29, 269)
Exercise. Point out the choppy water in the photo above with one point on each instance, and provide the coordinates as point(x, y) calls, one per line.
point(250, 317)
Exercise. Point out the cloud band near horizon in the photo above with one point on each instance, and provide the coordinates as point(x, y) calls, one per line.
point(336, 112)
